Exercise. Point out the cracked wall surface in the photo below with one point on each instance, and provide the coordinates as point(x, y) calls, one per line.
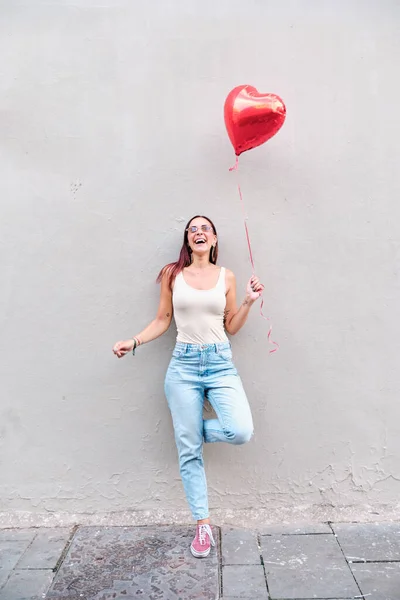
point(112, 136)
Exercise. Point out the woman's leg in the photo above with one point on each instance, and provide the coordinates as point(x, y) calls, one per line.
point(185, 400)
point(227, 397)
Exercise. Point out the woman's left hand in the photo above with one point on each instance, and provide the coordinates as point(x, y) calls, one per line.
point(254, 288)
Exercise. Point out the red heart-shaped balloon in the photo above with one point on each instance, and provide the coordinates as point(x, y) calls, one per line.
point(252, 118)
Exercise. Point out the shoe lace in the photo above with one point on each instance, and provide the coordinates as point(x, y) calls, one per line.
point(205, 529)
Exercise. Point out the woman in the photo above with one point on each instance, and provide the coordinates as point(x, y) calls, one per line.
point(202, 298)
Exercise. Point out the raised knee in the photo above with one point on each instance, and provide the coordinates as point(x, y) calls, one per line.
point(239, 436)
point(243, 436)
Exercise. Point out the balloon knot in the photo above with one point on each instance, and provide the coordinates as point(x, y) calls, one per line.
point(236, 165)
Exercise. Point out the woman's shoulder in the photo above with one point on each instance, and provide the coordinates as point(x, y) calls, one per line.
point(228, 273)
point(165, 272)
point(229, 278)
point(168, 274)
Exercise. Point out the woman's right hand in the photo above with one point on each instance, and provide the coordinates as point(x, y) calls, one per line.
point(123, 347)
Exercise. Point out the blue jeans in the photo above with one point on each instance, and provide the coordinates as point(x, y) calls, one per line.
point(196, 372)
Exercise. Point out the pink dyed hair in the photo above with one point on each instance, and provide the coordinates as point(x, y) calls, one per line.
point(184, 260)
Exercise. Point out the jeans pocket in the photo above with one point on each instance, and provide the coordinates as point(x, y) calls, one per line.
point(225, 354)
point(177, 353)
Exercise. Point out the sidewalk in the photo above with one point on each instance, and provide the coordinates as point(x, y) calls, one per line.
point(299, 562)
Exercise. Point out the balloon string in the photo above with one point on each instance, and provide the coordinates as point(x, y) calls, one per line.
point(236, 168)
point(270, 340)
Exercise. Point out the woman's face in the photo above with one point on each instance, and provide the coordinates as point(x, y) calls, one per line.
point(201, 236)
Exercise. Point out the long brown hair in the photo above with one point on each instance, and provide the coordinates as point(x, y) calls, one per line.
point(185, 259)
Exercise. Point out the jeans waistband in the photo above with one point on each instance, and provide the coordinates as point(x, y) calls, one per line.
point(217, 347)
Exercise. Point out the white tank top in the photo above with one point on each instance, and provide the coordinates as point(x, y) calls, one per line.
point(199, 314)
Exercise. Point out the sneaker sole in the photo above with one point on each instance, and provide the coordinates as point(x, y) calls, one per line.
point(199, 554)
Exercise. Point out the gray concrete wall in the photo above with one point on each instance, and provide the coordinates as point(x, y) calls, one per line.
point(112, 135)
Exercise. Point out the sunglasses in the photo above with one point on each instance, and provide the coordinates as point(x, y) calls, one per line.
point(194, 228)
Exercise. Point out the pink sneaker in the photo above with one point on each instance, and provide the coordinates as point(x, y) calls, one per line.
point(203, 541)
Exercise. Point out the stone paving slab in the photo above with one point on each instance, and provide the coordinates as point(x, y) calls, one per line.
point(4, 575)
point(18, 535)
point(239, 547)
point(244, 581)
point(369, 541)
point(27, 585)
point(27, 560)
point(46, 549)
point(295, 529)
point(306, 566)
point(153, 563)
point(378, 581)
point(11, 552)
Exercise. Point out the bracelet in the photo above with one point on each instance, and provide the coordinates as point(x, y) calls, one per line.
point(137, 341)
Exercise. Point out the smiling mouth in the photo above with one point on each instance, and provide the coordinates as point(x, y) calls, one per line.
point(201, 241)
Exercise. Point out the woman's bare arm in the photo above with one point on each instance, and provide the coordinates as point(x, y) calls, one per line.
point(156, 327)
point(236, 317)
